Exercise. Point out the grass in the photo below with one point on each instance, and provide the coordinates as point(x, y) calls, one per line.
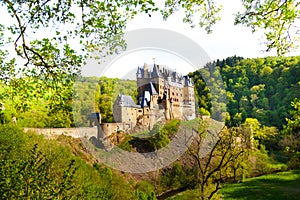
point(283, 185)
point(186, 195)
point(279, 186)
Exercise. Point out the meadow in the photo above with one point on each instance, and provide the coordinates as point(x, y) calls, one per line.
point(278, 186)
point(283, 185)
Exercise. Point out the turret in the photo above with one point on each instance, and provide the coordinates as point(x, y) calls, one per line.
point(146, 72)
point(139, 73)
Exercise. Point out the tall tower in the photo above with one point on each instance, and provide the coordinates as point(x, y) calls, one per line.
point(146, 71)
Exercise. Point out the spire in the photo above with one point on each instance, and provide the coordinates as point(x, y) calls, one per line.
point(139, 73)
point(155, 72)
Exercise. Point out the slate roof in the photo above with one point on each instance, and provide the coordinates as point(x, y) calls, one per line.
point(145, 99)
point(165, 73)
point(152, 89)
point(126, 101)
point(94, 116)
point(188, 81)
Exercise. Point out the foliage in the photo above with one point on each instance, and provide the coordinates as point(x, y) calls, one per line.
point(38, 103)
point(145, 191)
point(205, 11)
point(125, 144)
point(107, 94)
point(36, 168)
point(263, 164)
point(29, 173)
point(262, 135)
point(290, 136)
point(30, 178)
point(210, 92)
point(259, 88)
point(293, 124)
point(161, 134)
point(92, 94)
point(178, 177)
point(278, 18)
point(97, 26)
point(227, 159)
point(94, 25)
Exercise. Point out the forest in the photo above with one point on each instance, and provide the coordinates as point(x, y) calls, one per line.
point(262, 109)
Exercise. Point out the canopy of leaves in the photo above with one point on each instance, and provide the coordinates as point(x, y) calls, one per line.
point(259, 88)
point(279, 19)
point(93, 25)
point(54, 36)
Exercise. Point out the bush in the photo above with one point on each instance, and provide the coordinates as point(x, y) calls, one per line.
point(35, 168)
point(145, 191)
point(179, 177)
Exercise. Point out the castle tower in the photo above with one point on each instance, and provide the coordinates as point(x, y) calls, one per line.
point(188, 99)
point(169, 91)
point(142, 79)
point(146, 71)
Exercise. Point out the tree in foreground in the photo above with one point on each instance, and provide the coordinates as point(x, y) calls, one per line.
point(227, 159)
point(57, 36)
point(290, 143)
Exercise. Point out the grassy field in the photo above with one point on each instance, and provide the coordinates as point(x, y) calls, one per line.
point(279, 186)
point(283, 185)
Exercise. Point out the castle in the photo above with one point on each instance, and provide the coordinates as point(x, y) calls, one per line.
point(163, 94)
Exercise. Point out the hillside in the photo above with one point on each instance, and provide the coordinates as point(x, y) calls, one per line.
point(260, 88)
point(261, 137)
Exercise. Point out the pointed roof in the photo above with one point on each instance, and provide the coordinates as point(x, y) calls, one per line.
point(156, 72)
point(188, 81)
point(152, 89)
point(139, 70)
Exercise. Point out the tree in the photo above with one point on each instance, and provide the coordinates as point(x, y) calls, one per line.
point(278, 18)
point(226, 160)
point(293, 124)
point(98, 26)
point(290, 143)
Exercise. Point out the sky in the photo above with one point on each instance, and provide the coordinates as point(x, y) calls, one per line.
point(226, 40)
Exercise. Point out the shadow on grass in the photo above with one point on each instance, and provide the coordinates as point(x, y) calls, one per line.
point(284, 185)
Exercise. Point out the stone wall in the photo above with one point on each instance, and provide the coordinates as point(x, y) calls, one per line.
point(107, 129)
point(73, 132)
